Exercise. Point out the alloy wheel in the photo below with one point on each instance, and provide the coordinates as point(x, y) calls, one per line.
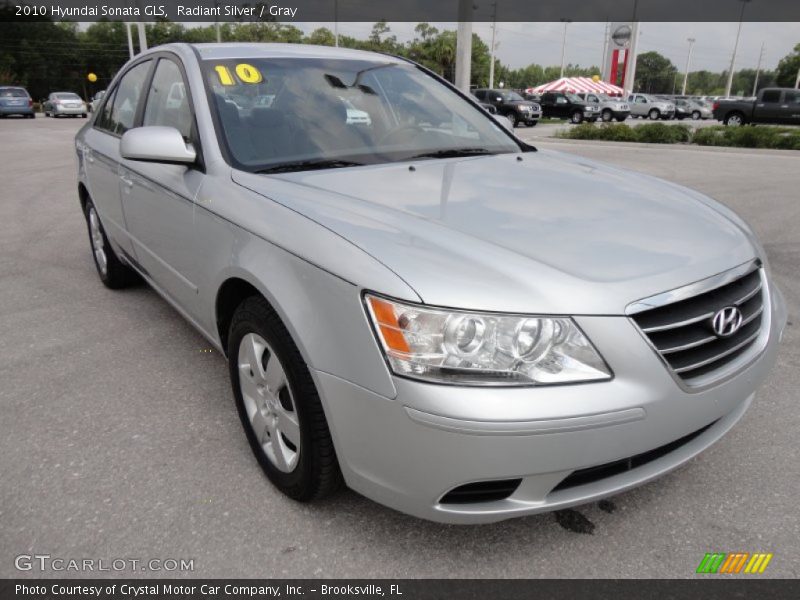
point(269, 402)
point(98, 243)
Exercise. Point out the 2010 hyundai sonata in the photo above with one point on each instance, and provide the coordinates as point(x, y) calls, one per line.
point(415, 302)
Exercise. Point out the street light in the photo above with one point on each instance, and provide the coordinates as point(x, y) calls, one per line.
point(735, 48)
point(564, 45)
point(688, 60)
point(492, 48)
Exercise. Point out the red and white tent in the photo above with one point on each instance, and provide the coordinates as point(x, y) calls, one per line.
point(577, 85)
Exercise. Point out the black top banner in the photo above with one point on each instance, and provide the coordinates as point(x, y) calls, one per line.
point(402, 10)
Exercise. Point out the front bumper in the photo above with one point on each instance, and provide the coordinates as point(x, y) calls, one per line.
point(407, 452)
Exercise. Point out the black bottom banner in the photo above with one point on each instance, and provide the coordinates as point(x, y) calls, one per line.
point(706, 588)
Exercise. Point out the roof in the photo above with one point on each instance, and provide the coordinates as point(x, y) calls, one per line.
point(577, 84)
point(254, 50)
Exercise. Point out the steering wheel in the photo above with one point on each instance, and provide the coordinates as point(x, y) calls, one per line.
point(403, 129)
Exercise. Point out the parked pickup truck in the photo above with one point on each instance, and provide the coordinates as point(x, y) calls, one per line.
point(772, 105)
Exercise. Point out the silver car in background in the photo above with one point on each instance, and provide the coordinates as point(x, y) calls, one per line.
point(423, 306)
point(64, 104)
point(650, 107)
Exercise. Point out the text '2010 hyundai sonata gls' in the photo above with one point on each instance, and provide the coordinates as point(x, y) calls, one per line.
point(416, 303)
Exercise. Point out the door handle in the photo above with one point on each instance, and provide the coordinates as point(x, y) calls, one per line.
point(126, 181)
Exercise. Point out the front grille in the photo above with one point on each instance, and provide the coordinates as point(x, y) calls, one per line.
point(592, 474)
point(682, 331)
point(481, 491)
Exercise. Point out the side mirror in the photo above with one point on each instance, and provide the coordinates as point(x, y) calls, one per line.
point(504, 121)
point(157, 144)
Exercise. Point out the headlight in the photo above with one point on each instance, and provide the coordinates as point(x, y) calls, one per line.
point(467, 348)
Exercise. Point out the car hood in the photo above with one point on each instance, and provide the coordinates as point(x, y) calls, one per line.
point(535, 232)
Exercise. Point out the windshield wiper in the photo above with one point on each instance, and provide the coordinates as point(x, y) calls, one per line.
point(452, 153)
point(310, 165)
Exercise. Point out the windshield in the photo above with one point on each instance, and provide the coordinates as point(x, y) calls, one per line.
point(511, 97)
point(317, 113)
point(13, 93)
point(573, 97)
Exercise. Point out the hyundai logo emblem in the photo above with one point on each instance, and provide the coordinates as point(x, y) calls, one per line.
point(727, 321)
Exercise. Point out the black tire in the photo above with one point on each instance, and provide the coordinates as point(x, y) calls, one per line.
point(654, 114)
point(607, 116)
point(31, 116)
point(83, 116)
point(576, 117)
point(533, 123)
point(696, 115)
point(118, 275)
point(621, 119)
point(317, 473)
point(513, 118)
point(734, 119)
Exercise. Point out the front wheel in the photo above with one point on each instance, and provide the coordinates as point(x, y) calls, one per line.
point(533, 123)
point(696, 115)
point(654, 114)
point(83, 116)
point(279, 406)
point(577, 117)
point(514, 119)
point(113, 273)
point(607, 116)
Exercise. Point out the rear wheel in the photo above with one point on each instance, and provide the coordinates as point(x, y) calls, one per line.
point(113, 273)
point(279, 406)
point(83, 116)
point(654, 114)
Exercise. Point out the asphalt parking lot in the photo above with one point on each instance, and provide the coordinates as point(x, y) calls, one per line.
point(119, 437)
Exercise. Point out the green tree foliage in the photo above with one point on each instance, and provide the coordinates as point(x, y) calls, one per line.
point(655, 74)
point(786, 74)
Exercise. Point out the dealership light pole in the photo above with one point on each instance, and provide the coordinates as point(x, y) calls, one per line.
point(336, 23)
point(464, 45)
point(564, 46)
point(758, 69)
point(688, 60)
point(735, 48)
point(491, 49)
point(797, 81)
point(130, 38)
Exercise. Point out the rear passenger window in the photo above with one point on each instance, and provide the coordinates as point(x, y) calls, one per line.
point(167, 101)
point(792, 98)
point(772, 96)
point(129, 90)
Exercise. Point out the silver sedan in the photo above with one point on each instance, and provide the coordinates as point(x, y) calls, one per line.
point(420, 305)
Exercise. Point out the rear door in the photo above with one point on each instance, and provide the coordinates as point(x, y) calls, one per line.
point(768, 108)
point(158, 198)
point(102, 158)
point(790, 107)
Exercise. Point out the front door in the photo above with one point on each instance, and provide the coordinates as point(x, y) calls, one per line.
point(158, 199)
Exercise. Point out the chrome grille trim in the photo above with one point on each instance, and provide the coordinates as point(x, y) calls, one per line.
point(677, 325)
